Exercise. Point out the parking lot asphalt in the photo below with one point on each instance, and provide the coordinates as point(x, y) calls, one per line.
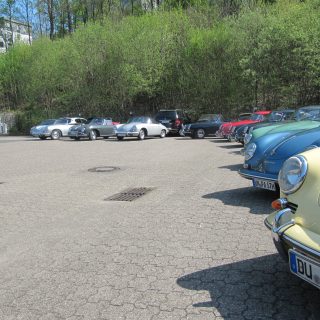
point(195, 247)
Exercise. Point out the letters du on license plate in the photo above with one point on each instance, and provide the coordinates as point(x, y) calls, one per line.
point(264, 184)
point(305, 268)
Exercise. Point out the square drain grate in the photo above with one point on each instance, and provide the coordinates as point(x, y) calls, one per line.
point(129, 194)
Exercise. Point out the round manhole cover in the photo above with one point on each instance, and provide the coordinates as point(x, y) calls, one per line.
point(104, 169)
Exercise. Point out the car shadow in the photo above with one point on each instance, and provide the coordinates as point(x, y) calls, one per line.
point(257, 200)
point(232, 167)
point(232, 146)
point(259, 288)
point(237, 152)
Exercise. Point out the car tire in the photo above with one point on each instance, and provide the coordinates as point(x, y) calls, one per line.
point(141, 134)
point(163, 134)
point(120, 138)
point(92, 135)
point(43, 137)
point(200, 133)
point(56, 134)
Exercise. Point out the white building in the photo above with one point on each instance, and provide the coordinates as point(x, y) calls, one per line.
point(13, 32)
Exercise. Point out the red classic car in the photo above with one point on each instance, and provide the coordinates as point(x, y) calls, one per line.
point(227, 128)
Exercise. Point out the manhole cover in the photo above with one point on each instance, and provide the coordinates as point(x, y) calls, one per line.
point(103, 169)
point(129, 194)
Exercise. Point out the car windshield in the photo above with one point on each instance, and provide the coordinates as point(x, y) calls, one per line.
point(138, 119)
point(245, 116)
point(256, 117)
point(208, 117)
point(280, 115)
point(61, 121)
point(308, 114)
point(47, 122)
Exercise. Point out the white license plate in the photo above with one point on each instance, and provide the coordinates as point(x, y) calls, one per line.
point(264, 184)
point(305, 268)
point(121, 134)
point(165, 121)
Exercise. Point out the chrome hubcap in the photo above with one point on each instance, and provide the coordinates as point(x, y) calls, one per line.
point(200, 133)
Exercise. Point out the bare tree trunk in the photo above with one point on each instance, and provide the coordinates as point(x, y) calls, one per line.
point(51, 17)
point(69, 18)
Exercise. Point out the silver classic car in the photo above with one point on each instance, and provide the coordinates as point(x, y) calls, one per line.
point(141, 127)
point(55, 129)
point(93, 128)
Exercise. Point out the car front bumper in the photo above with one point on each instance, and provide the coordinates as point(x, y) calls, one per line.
point(291, 235)
point(40, 134)
point(251, 174)
point(77, 134)
point(127, 134)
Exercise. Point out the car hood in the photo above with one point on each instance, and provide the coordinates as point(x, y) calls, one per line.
point(282, 127)
point(295, 143)
point(128, 126)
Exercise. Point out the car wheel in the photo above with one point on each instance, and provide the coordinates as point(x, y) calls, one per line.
point(200, 133)
point(43, 138)
point(120, 138)
point(56, 134)
point(92, 135)
point(141, 134)
point(163, 133)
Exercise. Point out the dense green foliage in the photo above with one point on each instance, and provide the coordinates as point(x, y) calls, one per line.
point(267, 56)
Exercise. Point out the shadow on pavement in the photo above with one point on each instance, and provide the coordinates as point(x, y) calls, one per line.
point(257, 200)
point(259, 288)
point(232, 146)
point(232, 167)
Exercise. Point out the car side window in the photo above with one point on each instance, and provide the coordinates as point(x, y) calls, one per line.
point(98, 122)
point(78, 121)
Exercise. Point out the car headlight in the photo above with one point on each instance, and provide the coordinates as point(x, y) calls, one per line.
point(249, 151)
point(83, 130)
point(247, 138)
point(134, 129)
point(292, 174)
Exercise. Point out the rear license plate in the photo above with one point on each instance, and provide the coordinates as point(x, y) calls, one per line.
point(121, 134)
point(264, 184)
point(305, 268)
point(165, 121)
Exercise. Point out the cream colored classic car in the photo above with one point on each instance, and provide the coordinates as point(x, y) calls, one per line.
point(295, 226)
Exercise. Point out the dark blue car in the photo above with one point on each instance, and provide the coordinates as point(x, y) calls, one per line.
point(264, 157)
point(206, 125)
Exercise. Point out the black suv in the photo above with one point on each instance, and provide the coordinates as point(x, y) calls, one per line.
point(172, 119)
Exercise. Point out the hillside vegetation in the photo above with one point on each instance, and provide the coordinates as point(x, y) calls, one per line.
point(263, 55)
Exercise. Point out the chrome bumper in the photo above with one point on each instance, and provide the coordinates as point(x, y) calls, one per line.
point(251, 174)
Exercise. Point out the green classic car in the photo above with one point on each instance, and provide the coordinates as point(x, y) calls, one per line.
point(306, 118)
point(295, 226)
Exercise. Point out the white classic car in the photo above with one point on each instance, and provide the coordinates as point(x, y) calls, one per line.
point(141, 127)
point(55, 129)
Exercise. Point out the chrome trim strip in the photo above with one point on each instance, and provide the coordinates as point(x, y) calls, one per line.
point(267, 224)
point(250, 177)
point(301, 246)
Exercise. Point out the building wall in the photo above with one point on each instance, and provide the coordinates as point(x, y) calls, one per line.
point(19, 33)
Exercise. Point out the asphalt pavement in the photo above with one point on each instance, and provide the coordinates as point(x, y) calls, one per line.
point(193, 247)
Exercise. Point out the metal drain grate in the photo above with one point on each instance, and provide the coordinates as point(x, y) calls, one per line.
point(104, 169)
point(129, 194)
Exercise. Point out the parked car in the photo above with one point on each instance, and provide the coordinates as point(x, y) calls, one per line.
point(270, 154)
point(173, 120)
point(38, 130)
point(295, 226)
point(207, 124)
point(93, 128)
point(244, 116)
point(226, 129)
point(278, 116)
point(55, 129)
point(141, 127)
point(304, 117)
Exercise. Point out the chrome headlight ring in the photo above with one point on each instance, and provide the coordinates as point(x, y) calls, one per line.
point(247, 138)
point(293, 174)
point(249, 151)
